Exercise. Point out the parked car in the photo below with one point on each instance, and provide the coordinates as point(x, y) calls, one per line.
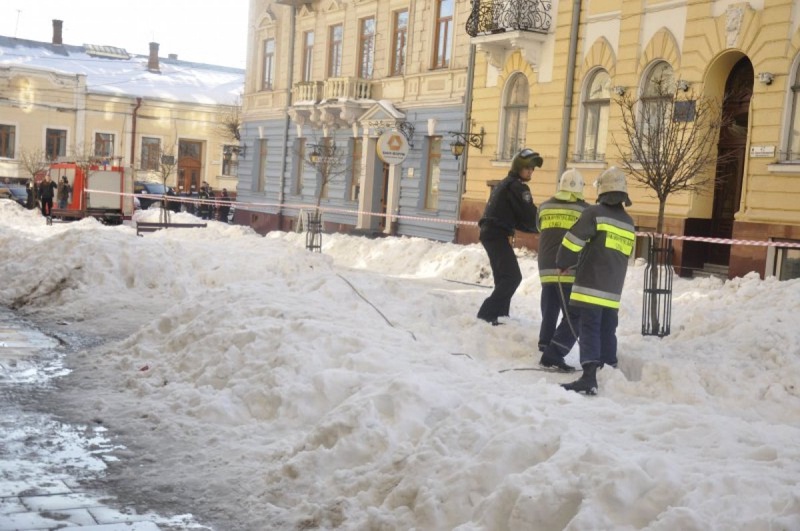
point(15, 192)
point(154, 188)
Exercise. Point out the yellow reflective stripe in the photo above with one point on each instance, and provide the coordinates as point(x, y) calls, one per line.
point(571, 246)
point(597, 301)
point(566, 279)
point(617, 238)
point(557, 218)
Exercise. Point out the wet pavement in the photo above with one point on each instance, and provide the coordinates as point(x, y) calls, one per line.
point(47, 467)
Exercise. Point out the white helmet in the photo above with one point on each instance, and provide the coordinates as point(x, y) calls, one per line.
point(611, 180)
point(571, 181)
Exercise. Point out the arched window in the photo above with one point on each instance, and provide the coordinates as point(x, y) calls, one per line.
point(793, 144)
point(515, 116)
point(658, 90)
point(595, 117)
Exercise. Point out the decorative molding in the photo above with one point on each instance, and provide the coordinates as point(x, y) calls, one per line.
point(733, 25)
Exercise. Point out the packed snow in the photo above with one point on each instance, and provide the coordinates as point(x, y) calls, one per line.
point(262, 386)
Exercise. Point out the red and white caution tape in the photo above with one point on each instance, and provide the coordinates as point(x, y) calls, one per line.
point(306, 206)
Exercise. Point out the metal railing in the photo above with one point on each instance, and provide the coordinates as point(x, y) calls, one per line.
point(496, 16)
point(658, 274)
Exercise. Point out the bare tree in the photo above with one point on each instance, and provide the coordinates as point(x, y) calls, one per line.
point(330, 161)
point(669, 140)
point(33, 161)
point(167, 162)
point(230, 124)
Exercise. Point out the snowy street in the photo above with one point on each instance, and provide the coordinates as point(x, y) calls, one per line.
point(254, 385)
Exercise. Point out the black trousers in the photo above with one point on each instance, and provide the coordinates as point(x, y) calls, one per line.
point(507, 277)
point(560, 339)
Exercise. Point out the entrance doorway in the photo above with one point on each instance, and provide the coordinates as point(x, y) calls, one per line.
point(190, 163)
point(730, 166)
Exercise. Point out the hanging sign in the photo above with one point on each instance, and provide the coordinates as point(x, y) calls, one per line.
point(392, 147)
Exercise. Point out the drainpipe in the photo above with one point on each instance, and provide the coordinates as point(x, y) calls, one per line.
point(288, 124)
point(570, 88)
point(133, 130)
point(462, 178)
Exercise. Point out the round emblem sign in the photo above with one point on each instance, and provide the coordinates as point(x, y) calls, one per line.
point(392, 147)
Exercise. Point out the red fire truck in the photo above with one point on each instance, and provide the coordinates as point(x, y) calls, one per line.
point(97, 191)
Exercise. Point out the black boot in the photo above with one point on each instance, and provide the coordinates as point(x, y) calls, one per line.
point(555, 362)
point(587, 383)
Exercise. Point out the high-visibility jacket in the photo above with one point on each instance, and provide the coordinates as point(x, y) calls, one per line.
point(556, 217)
point(600, 243)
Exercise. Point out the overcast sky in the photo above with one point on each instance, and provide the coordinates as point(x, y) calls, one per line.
point(209, 32)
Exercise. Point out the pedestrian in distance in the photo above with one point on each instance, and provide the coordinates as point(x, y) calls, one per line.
point(600, 243)
point(224, 205)
point(63, 191)
point(556, 216)
point(510, 208)
point(47, 190)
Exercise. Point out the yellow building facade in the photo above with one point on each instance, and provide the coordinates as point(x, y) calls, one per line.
point(63, 102)
point(743, 55)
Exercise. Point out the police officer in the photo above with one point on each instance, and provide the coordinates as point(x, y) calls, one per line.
point(510, 208)
point(556, 216)
point(600, 243)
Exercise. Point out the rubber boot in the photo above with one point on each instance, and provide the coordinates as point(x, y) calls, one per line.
point(587, 383)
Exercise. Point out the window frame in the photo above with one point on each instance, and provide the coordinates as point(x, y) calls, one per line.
point(443, 34)
point(593, 107)
point(147, 158)
point(357, 152)
point(399, 43)
point(433, 172)
point(335, 50)
point(308, 55)
point(59, 137)
point(366, 47)
point(268, 64)
point(512, 110)
point(793, 117)
point(8, 141)
point(648, 102)
point(106, 140)
point(260, 182)
point(299, 165)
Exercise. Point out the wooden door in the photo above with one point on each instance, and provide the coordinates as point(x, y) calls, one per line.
point(731, 159)
point(190, 164)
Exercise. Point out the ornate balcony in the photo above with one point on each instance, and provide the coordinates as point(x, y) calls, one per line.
point(496, 16)
point(335, 102)
point(501, 26)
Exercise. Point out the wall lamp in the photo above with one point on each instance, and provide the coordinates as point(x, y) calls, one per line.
point(766, 77)
point(683, 85)
point(322, 153)
point(619, 90)
point(462, 139)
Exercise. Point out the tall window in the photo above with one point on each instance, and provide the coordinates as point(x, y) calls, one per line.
point(268, 76)
point(299, 166)
point(355, 173)
point(230, 160)
point(444, 29)
point(516, 116)
point(151, 153)
point(367, 45)
point(7, 136)
point(399, 37)
point(55, 143)
point(595, 117)
point(261, 183)
point(103, 145)
point(434, 173)
point(335, 51)
point(793, 145)
point(308, 54)
point(659, 88)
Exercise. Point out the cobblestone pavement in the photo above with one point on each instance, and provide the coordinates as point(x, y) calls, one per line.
point(47, 466)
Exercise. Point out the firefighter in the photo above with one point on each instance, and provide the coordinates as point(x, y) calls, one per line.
point(510, 208)
point(600, 243)
point(556, 217)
